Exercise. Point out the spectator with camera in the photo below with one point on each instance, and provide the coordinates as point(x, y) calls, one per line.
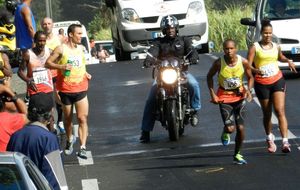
point(37, 142)
point(13, 120)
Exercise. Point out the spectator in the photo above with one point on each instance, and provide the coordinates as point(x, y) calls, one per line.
point(5, 69)
point(38, 143)
point(93, 48)
point(102, 54)
point(13, 121)
point(25, 25)
point(61, 35)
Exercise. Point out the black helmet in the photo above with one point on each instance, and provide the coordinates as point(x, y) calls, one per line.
point(167, 22)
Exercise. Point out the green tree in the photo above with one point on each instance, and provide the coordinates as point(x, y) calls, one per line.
point(39, 7)
point(99, 27)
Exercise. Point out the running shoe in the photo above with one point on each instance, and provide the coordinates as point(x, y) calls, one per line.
point(69, 146)
point(61, 127)
point(82, 153)
point(271, 144)
point(238, 159)
point(225, 138)
point(286, 147)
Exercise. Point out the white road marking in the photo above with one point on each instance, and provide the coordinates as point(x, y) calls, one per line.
point(89, 184)
point(133, 82)
point(88, 161)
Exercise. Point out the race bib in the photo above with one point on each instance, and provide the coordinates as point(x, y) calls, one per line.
point(269, 70)
point(40, 76)
point(232, 83)
point(76, 61)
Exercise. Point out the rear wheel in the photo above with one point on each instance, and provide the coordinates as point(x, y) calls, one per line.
point(171, 117)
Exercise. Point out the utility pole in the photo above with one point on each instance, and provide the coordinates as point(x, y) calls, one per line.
point(48, 8)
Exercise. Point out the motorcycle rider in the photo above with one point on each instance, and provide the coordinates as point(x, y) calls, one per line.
point(170, 45)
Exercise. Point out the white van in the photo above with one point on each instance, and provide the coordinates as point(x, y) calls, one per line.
point(84, 40)
point(285, 27)
point(136, 23)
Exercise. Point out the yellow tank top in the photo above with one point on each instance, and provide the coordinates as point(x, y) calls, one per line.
point(231, 78)
point(77, 80)
point(53, 42)
point(2, 64)
point(266, 60)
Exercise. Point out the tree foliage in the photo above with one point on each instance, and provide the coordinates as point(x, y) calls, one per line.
point(222, 5)
point(39, 10)
point(99, 26)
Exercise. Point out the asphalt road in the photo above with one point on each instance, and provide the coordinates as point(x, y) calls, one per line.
point(117, 161)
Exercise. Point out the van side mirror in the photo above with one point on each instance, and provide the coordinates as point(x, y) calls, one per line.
point(248, 22)
point(110, 3)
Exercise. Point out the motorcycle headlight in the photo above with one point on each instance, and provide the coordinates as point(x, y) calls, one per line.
point(169, 76)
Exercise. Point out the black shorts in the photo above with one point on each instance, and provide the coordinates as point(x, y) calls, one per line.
point(265, 91)
point(71, 98)
point(233, 113)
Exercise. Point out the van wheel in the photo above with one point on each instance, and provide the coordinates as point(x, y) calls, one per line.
point(122, 55)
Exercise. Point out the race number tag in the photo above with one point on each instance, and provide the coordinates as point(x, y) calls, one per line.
point(269, 70)
point(76, 61)
point(40, 76)
point(232, 83)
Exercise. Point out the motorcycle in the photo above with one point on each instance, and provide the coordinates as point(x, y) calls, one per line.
point(173, 108)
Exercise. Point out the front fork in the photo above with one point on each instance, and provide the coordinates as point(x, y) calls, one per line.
point(179, 96)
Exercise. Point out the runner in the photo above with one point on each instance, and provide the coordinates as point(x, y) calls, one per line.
point(270, 85)
point(38, 78)
point(231, 94)
point(52, 42)
point(72, 84)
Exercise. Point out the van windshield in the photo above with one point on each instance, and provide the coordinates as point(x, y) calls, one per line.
point(281, 9)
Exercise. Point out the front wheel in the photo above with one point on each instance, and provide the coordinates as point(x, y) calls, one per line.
point(171, 117)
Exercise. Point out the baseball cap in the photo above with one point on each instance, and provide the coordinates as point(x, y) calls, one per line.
point(41, 103)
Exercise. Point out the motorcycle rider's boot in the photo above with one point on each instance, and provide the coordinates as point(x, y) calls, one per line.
point(194, 119)
point(145, 137)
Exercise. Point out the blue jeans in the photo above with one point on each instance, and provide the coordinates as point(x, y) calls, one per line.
point(149, 110)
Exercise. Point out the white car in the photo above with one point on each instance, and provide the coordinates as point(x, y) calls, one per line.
point(285, 27)
point(136, 23)
point(18, 172)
